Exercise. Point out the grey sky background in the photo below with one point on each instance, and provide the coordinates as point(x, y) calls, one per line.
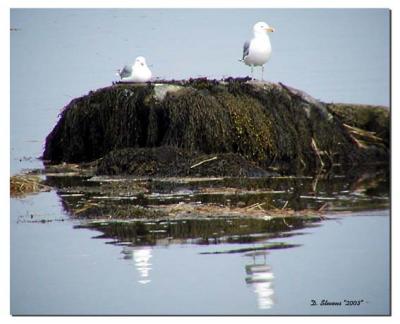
point(339, 55)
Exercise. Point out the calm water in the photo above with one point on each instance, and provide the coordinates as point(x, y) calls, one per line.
point(57, 55)
point(57, 269)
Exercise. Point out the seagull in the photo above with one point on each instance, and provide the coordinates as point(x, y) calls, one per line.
point(258, 50)
point(138, 72)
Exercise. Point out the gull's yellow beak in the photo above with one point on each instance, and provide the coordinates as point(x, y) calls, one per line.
point(270, 29)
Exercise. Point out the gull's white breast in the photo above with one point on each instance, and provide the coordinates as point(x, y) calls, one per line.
point(259, 52)
point(141, 74)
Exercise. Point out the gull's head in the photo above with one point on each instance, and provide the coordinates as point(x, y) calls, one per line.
point(140, 60)
point(262, 28)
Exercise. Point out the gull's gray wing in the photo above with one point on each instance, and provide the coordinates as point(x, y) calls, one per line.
point(125, 72)
point(246, 47)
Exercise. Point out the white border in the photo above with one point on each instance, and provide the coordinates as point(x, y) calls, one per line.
point(200, 4)
point(5, 5)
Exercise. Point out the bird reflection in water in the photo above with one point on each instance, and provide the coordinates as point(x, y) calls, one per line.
point(259, 277)
point(141, 255)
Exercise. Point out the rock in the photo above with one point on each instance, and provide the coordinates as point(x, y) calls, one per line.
point(259, 125)
point(374, 119)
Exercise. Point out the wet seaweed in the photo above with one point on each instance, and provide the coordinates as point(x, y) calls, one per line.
point(171, 162)
point(150, 198)
point(373, 119)
point(270, 125)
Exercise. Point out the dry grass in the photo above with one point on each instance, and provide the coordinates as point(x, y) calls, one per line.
point(22, 185)
point(213, 210)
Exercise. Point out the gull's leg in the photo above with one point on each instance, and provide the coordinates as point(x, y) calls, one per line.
point(252, 70)
point(262, 72)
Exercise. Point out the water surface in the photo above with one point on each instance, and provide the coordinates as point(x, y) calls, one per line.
point(343, 258)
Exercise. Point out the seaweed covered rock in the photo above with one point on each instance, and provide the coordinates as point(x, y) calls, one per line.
point(173, 162)
point(268, 124)
point(374, 119)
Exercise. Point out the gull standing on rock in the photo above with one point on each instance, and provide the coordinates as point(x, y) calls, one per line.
point(257, 51)
point(138, 72)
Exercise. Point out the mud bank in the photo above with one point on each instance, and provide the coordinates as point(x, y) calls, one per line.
point(233, 127)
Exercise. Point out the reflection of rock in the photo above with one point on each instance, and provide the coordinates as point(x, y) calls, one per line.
point(141, 256)
point(198, 231)
point(259, 277)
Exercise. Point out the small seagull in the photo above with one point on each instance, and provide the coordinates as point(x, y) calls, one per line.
point(257, 51)
point(138, 72)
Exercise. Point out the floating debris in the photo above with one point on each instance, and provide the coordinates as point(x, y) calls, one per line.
point(220, 197)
